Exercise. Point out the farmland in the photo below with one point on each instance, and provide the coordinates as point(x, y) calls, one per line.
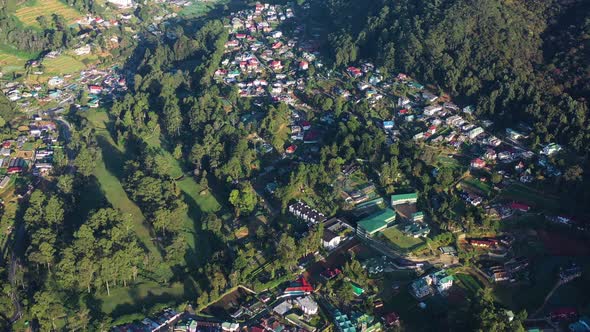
point(28, 14)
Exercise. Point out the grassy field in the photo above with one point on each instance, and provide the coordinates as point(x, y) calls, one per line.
point(399, 241)
point(477, 185)
point(468, 282)
point(63, 64)
point(201, 8)
point(12, 59)
point(108, 171)
point(122, 301)
point(28, 14)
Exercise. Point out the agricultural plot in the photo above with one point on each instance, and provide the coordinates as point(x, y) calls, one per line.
point(28, 14)
point(63, 64)
point(10, 62)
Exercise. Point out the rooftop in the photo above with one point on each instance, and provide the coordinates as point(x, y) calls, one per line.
point(377, 221)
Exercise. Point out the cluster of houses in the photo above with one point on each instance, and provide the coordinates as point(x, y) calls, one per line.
point(438, 282)
point(32, 150)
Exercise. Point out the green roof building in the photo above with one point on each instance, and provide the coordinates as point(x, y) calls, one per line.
point(398, 199)
point(356, 289)
point(376, 222)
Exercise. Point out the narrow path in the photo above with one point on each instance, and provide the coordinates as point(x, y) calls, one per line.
point(538, 311)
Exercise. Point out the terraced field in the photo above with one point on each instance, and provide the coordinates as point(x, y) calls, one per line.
point(9, 62)
point(28, 14)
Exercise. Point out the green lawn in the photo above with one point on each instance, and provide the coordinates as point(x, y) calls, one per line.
point(468, 282)
point(478, 185)
point(124, 301)
point(399, 241)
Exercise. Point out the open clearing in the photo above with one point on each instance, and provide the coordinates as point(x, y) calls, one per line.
point(63, 64)
point(399, 241)
point(28, 14)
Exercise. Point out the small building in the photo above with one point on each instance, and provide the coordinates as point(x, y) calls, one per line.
point(448, 250)
point(473, 133)
point(478, 163)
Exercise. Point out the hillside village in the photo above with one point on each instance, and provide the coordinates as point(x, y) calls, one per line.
point(415, 259)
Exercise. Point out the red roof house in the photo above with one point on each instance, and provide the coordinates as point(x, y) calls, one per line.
point(520, 207)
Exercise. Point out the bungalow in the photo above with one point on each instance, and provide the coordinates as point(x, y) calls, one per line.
point(311, 137)
point(330, 240)
point(55, 81)
point(478, 163)
point(303, 65)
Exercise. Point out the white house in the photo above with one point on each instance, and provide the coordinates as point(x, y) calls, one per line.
point(307, 305)
point(330, 240)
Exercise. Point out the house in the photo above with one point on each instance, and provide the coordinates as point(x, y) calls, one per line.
point(354, 72)
point(513, 134)
point(94, 89)
point(429, 97)
point(83, 50)
point(416, 230)
point(330, 240)
point(448, 250)
point(418, 216)
point(391, 319)
point(283, 307)
point(330, 273)
point(376, 222)
point(519, 207)
point(551, 148)
point(298, 287)
point(478, 163)
point(399, 199)
point(307, 305)
point(276, 65)
point(473, 133)
point(303, 65)
point(483, 242)
point(55, 81)
point(432, 110)
point(490, 154)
